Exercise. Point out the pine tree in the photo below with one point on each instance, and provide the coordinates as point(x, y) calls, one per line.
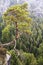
point(19, 15)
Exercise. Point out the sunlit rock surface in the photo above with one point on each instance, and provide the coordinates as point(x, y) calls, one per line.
point(7, 59)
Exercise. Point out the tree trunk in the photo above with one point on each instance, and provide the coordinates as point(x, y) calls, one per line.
point(16, 35)
point(16, 31)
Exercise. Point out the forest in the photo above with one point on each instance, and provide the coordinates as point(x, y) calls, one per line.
point(21, 36)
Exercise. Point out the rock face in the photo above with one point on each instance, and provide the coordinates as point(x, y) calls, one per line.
point(7, 59)
point(4, 57)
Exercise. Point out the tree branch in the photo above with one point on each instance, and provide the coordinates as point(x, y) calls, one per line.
point(10, 43)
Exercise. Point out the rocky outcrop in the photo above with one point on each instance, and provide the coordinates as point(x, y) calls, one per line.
point(7, 59)
point(4, 57)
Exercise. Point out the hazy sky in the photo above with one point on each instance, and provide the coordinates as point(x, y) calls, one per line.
point(36, 5)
